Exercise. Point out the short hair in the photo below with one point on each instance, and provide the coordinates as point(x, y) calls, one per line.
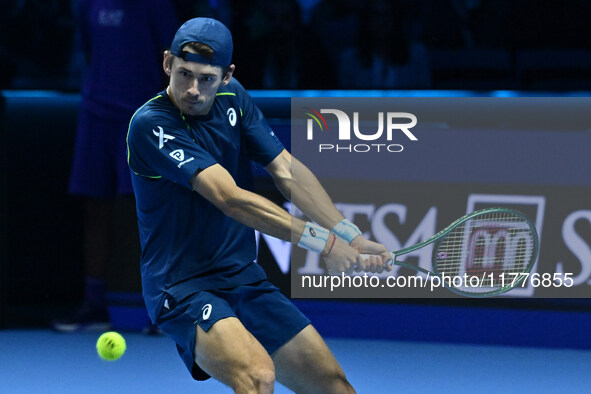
point(202, 50)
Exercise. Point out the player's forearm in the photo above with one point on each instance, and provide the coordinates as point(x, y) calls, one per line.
point(263, 215)
point(218, 187)
point(305, 191)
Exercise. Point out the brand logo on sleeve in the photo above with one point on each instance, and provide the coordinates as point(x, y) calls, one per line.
point(162, 138)
point(178, 154)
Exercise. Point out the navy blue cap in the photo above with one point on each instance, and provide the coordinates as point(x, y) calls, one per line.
point(208, 31)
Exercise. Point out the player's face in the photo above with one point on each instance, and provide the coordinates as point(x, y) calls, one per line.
point(193, 86)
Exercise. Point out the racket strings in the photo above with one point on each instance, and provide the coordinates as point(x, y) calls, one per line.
point(487, 251)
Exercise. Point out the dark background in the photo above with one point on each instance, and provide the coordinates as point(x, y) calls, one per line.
point(494, 47)
point(446, 44)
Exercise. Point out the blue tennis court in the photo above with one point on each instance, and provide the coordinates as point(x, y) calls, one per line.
point(41, 361)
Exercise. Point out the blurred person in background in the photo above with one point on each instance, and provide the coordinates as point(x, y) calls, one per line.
point(289, 55)
point(122, 41)
point(335, 23)
point(385, 55)
point(448, 23)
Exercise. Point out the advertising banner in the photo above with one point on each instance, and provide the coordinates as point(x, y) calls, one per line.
point(402, 169)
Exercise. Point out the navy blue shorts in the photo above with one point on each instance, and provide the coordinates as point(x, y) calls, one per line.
point(266, 313)
point(99, 167)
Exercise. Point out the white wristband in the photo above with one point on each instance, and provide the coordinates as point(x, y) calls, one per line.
point(346, 230)
point(314, 238)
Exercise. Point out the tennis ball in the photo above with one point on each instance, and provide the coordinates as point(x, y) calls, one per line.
point(110, 346)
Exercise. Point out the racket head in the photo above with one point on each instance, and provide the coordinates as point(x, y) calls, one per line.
point(492, 245)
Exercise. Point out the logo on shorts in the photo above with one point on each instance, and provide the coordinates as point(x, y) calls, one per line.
point(312, 232)
point(162, 138)
point(231, 116)
point(206, 311)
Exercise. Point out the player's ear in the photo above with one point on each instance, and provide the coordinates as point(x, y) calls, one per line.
point(167, 63)
point(228, 74)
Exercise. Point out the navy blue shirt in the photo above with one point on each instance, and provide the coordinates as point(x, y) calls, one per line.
point(187, 243)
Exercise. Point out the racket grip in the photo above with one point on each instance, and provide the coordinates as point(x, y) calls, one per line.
point(389, 262)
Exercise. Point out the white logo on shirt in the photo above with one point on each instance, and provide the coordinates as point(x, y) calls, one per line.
point(162, 138)
point(231, 116)
point(206, 311)
point(182, 163)
point(178, 154)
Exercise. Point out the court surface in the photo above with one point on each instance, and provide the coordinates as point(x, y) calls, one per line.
point(41, 361)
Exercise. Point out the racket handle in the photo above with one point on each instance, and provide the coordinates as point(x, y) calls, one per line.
point(390, 262)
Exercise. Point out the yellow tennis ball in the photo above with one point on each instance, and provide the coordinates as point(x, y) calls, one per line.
point(110, 346)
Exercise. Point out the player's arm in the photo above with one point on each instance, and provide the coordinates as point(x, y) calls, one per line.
point(298, 184)
point(218, 187)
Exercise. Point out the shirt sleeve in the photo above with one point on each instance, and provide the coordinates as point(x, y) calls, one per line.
point(261, 142)
point(159, 148)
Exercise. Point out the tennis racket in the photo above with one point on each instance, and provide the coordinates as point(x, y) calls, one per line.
point(492, 250)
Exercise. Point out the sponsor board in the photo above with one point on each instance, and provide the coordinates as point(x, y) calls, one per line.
point(417, 211)
point(402, 169)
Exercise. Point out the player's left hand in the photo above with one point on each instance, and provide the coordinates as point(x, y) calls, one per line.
point(376, 263)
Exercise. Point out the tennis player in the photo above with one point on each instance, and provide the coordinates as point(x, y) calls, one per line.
point(189, 150)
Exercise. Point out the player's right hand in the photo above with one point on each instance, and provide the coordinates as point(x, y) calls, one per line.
point(344, 258)
point(375, 255)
